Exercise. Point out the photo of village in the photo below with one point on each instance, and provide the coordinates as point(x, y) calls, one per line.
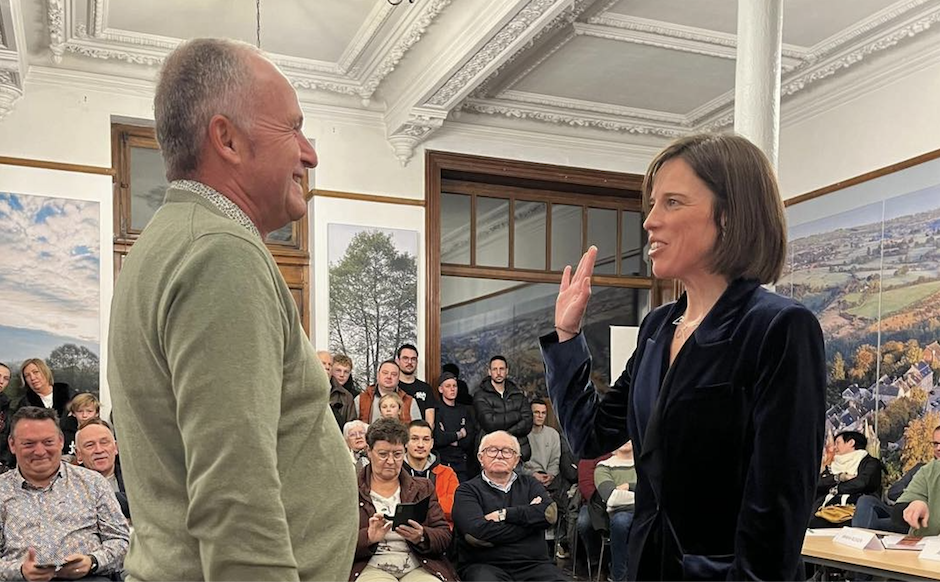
point(872, 277)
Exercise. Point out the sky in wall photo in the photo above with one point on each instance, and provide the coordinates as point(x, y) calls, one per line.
point(49, 275)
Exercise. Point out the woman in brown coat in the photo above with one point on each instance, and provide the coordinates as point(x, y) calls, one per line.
point(412, 552)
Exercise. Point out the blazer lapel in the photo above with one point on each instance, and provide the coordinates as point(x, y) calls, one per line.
point(708, 344)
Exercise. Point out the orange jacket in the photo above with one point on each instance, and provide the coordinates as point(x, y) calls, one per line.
point(445, 483)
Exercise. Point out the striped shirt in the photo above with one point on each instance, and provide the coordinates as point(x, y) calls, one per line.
point(77, 513)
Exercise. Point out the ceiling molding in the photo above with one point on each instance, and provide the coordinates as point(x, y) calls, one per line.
point(561, 22)
point(374, 75)
point(678, 37)
point(850, 56)
point(656, 40)
point(13, 65)
point(522, 27)
point(870, 24)
point(594, 107)
point(366, 33)
point(559, 116)
point(429, 111)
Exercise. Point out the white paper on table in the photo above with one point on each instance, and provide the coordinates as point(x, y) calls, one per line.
point(858, 539)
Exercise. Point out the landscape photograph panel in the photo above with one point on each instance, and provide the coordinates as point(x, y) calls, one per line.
point(872, 277)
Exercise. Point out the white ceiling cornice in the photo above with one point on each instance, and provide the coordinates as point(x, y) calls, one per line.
point(849, 55)
point(13, 65)
point(423, 109)
point(565, 116)
point(675, 37)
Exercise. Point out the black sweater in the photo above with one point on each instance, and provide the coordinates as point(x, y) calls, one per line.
point(517, 542)
point(448, 420)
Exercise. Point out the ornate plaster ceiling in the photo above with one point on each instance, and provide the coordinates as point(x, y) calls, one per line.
point(630, 69)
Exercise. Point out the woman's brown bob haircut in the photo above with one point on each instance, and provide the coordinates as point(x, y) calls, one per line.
point(748, 212)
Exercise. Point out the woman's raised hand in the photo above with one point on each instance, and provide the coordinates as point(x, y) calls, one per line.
point(573, 296)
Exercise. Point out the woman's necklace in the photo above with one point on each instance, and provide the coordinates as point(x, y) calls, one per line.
point(685, 328)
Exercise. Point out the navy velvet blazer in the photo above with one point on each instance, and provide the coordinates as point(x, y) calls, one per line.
point(728, 440)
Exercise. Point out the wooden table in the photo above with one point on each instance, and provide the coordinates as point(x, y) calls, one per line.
point(891, 564)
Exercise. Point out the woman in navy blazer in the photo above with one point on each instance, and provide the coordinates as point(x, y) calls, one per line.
point(724, 396)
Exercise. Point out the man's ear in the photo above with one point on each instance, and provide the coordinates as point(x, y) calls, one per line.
point(226, 139)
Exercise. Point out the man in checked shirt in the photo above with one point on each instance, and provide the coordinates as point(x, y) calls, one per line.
point(57, 520)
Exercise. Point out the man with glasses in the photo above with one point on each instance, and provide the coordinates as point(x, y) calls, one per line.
point(500, 518)
point(873, 513)
point(407, 359)
point(919, 505)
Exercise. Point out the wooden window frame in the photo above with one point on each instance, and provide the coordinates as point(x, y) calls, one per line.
point(293, 260)
point(586, 188)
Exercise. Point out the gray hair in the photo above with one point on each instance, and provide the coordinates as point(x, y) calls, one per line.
point(354, 424)
point(201, 78)
point(490, 436)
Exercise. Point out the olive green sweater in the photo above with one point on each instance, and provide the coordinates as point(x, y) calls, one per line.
point(925, 486)
point(233, 463)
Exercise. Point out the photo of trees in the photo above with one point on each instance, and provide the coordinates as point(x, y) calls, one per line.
point(373, 294)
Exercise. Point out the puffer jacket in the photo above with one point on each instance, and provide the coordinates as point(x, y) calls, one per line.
point(510, 412)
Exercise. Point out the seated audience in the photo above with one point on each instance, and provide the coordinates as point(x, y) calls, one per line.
point(919, 504)
point(463, 391)
point(500, 518)
point(852, 473)
point(342, 372)
point(96, 449)
point(43, 392)
point(57, 519)
point(390, 406)
point(386, 382)
point(421, 462)
point(615, 479)
point(873, 513)
point(341, 402)
point(354, 432)
point(83, 407)
point(412, 552)
point(454, 428)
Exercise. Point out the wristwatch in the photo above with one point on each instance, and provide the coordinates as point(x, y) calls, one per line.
point(501, 515)
point(94, 564)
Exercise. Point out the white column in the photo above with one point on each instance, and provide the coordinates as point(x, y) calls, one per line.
point(757, 74)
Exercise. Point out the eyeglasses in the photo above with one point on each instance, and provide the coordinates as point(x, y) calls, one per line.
point(935, 443)
point(357, 434)
point(493, 452)
point(384, 455)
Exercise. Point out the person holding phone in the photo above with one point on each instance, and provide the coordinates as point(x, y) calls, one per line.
point(59, 520)
point(412, 551)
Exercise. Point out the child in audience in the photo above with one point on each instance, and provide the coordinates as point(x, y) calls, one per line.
point(83, 407)
point(390, 406)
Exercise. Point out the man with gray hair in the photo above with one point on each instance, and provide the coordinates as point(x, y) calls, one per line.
point(500, 518)
point(219, 398)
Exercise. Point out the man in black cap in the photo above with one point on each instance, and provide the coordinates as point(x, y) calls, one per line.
point(454, 429)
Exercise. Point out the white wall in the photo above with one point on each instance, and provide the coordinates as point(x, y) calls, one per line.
point(895, 122)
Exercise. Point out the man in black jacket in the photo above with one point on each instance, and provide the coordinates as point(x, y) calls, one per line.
point(500, 405)
point(500, 518)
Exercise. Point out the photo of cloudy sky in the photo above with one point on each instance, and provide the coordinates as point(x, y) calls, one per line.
point(49, 275)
